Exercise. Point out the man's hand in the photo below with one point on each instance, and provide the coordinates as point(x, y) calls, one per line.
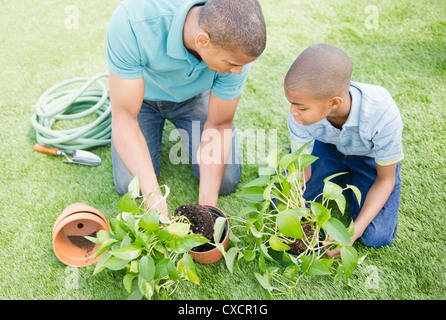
point(156, 200)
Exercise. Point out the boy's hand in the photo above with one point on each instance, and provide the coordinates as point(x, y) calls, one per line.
point(334, 253)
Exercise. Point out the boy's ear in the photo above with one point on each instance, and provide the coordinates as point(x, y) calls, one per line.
point(336, 101)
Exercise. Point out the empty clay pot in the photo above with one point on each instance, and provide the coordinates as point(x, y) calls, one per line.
point(75, 222)
point(214, 254)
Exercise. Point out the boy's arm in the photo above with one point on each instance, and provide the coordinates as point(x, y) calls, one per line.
point(215, 147)
point(373, 202)
point(376, 197)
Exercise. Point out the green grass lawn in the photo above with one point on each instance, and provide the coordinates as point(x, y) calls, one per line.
point(402, 48)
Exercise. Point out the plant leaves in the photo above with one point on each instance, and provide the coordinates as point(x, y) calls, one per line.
point(133, 187)
point(333, 176)
point(150, 221)
point(104, 247)
point(146, 268)
point(256, 233)
point(263, 280)
point(127, 253)
point(288, 223)
point(313, 266)
point(332, 190)
point(336, 230)
point(277, 244)
point(305, 160)
point(260, 181)
point(115, 263)
point(251, 194)
point(100, 264)
point(230, 258)
point(356, 192)
point(173, 271)
point(286, 160)
point(219, 228)
point(128, 281)
point(179, 229)
point(249, 255)
point(322, 213)
point(127, 204)
point(349, 258)
point(185, 269)
point(264, 250)
point(272, 159)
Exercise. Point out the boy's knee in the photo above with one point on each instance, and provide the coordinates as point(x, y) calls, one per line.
point(377, 240)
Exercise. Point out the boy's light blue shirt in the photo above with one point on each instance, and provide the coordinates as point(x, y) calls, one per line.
point(145, 39)
point(373, 128)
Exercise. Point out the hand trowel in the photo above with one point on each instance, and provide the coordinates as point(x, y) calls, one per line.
point(78, 156)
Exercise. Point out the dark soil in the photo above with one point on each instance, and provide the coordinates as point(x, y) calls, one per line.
point(202, 222)
point(298, 246)
point(83, 243)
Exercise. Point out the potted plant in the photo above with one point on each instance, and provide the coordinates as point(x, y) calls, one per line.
point(153, 251)
point(211, 223)
point(280, 219)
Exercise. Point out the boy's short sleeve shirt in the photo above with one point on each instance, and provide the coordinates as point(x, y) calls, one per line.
point(145, 39)
point(373, 128)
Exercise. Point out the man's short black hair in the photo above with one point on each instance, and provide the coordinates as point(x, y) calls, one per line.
point(235, 25)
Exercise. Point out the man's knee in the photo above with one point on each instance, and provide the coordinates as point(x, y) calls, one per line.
point(230, 180)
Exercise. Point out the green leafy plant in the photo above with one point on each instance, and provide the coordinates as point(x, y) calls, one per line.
point(278, 218)
point(152, 250)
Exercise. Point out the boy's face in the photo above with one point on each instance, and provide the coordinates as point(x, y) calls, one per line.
point(305, 109)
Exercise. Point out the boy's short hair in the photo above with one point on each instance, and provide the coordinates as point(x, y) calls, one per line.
point(323, 70)
point(235, 25)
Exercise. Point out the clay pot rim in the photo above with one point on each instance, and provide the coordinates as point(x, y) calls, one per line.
point(78, 208)
point(62, 255)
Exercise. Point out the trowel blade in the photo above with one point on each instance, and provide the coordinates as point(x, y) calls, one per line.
point(85, 158)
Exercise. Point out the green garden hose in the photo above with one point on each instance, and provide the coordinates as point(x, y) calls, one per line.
point(61, 102)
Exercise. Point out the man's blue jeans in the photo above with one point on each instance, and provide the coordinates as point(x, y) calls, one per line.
point(362, 174)
point(188, 117)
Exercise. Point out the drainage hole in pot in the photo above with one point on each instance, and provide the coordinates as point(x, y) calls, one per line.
point(80, 225)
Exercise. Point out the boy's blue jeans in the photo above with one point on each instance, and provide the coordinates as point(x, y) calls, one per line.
point(362, 174)
point(188, 117)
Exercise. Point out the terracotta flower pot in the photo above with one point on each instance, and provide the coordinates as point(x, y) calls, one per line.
point(214, 254)
point(75, 222)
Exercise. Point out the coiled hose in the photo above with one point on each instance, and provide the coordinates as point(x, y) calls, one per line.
point(62, 103)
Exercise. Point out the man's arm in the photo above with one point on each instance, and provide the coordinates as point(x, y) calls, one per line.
point(215, 147)
point(373, 203)
point(126, 97)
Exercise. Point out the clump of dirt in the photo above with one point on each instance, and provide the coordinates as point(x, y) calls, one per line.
point(83, 243)
point(202, 223)
point(298, 246)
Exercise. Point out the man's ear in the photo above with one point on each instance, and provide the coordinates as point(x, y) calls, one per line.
point(203, 40)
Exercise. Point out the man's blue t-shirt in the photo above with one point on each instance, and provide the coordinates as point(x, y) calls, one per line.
point(145, 39)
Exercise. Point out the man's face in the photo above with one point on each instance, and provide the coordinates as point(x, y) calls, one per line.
point(225, 61)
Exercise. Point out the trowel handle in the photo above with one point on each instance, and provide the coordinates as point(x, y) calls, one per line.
point(45, 149)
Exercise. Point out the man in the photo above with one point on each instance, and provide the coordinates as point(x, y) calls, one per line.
point(185, 61)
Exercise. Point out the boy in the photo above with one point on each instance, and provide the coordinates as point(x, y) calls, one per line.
point(186, 62)
point(356, 128)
